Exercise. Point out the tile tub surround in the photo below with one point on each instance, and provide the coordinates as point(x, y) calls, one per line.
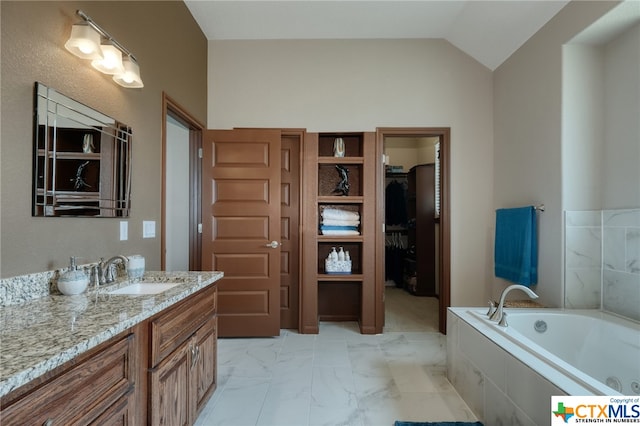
point(44, 333)
point(621, 262)
point(497, 387)
point(583, 259)
point(602, 261)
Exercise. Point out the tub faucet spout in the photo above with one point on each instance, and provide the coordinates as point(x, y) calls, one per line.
point(498, 313)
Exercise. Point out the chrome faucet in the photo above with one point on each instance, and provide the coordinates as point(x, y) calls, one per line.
point(498, 314)
point(106, 274)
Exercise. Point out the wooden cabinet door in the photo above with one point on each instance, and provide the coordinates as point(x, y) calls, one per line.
point(171, 398)
point(205, 371)
point(81, 394)
point(183, 382)
point(173, 327)
point(241, 218)
point(122, 413)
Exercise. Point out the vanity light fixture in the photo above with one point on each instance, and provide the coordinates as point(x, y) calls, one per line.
point(84, 41)
point(130, 77)
point(111, 61)
point(90, 41)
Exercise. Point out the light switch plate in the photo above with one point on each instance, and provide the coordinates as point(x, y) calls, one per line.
point(148, 229)
point(124, 230)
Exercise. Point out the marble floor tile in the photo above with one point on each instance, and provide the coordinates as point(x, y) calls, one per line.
point(288, 399)
point(240, 403)
point(339, 376)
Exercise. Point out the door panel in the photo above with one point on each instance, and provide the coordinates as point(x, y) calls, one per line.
point(230, 228)
point(247, 303)
point(232, 190)
point(241, 211)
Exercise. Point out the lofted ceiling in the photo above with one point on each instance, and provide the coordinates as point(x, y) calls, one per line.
point(489, 31)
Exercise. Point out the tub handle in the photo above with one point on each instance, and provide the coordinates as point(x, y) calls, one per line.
point(492, 308)
point(503, 320)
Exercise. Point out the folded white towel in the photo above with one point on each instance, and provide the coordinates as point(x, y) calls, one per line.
point(340, 214)
point(339, 222)
point(339, 232)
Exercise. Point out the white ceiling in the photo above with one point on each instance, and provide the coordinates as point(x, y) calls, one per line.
point(489, 31)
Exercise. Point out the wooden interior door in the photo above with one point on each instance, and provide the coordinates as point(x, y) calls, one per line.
point(289, 228)
point(241, 228)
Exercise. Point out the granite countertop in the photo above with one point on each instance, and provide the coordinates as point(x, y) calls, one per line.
point(41, 334)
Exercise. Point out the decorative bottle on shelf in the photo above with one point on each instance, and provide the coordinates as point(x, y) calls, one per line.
point(87, 144)
point(341, 254)
point(73, 281)
point(333, 256)
point(338, 147)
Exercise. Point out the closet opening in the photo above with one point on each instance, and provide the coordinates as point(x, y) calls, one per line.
point(415, 229)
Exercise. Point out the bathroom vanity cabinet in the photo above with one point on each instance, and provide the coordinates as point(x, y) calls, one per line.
point(94, 387)
point(161, 371)
point(183, 360)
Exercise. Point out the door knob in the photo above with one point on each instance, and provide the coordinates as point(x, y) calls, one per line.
point(272, 244)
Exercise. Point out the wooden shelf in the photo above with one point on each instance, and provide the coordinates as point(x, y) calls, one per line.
point(76, 156)
point(340, 160)
point(69, 155)
point(340, 297)
point(340, 199)
point(80, 195)
point(340, 239)
point(340, 277)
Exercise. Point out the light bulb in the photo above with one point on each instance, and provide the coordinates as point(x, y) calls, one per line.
point(111, 63)
point(86, 48)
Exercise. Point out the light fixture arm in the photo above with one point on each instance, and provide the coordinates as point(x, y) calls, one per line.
point(105, 34)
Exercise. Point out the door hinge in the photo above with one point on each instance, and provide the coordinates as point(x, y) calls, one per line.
point(199, 228)
point(199, 152)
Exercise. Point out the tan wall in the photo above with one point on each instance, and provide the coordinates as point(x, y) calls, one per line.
point(358, 85)
point(172, 53)
point(528, 136)
point(408, 152)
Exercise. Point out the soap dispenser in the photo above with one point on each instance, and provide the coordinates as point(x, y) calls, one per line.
point(73, 281)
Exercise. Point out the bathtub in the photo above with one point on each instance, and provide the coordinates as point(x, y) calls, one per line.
point(542, 352)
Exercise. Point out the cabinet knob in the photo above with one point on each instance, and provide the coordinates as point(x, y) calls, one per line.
point(48, 422)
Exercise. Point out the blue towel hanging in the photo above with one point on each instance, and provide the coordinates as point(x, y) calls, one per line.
point(516, 245)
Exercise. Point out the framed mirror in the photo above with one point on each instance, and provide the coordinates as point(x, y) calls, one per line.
point(81, 159)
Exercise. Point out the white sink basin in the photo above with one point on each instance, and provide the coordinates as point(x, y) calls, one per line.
point(144, 288)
